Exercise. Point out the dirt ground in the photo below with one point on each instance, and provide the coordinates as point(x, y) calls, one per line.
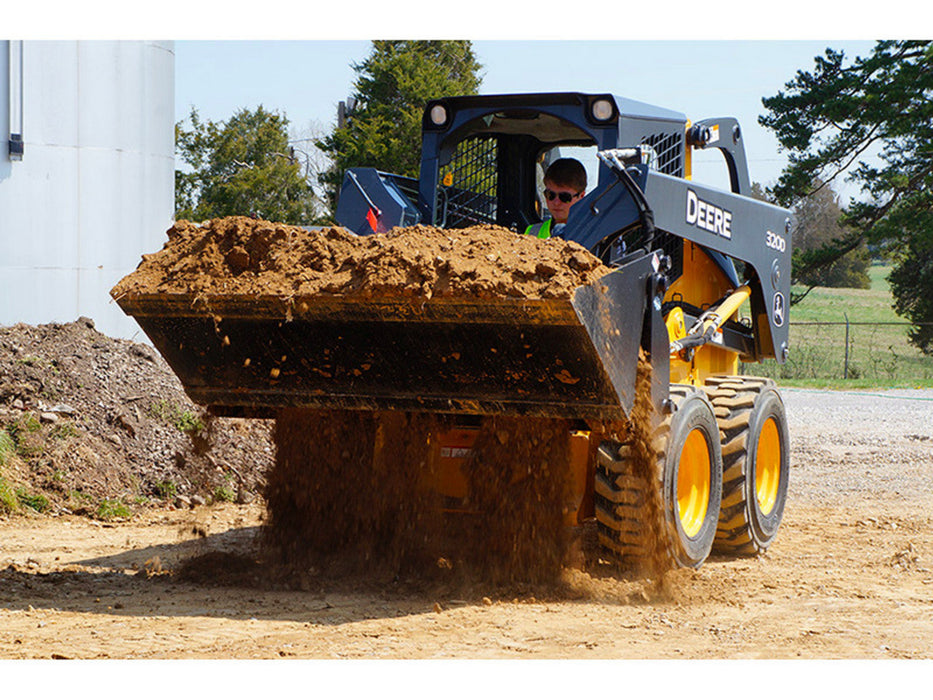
point(849, 577)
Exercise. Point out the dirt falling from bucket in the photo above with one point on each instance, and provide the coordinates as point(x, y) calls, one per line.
point(351, 493)
point(643, 435)
point(518, 472)
point(347, 490)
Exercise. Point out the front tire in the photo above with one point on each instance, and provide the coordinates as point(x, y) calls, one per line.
point(670, 509)
point(756, 462)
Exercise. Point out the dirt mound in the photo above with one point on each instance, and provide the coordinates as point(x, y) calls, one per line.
point(90, 424)
point(243, 256)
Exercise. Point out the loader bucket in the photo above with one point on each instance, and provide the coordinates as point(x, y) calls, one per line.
point(249, 356)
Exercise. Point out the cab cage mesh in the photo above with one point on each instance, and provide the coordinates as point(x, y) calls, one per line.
point(669, 149)
point(470, 197)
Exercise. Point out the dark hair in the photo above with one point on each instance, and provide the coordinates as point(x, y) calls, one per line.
point(567, 172)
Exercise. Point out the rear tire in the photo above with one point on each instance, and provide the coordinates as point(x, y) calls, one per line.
point(686, 473)
point(756, 462)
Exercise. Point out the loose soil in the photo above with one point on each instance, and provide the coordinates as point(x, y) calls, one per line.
point(98, 426)
point(849, 576)
point(243, 256)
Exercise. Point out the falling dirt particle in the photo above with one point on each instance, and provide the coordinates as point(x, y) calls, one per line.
point(274, 372)
point(438, 608)
point(226, 340)
point(567, 378)
point(246, 362)
point(486, 601)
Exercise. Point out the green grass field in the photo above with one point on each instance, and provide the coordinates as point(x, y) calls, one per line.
point(880, 356)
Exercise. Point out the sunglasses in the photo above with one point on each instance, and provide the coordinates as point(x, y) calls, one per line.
point(565, 197)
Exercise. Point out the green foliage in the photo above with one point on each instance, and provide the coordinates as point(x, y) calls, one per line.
point(880, 354)
point(37, 502)
point(240, 167)
point(392, 88)
point(182, 419)
point(111, 509)
point(224, 493)
point(63, 431)
point(912, 285)
point(818, 217)
point(7, 447)
point(830, 118)
point(166, 490)
point(26, 434)
point(9, 503)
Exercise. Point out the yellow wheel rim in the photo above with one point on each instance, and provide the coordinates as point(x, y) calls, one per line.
point(693, 482)
point(768, 466)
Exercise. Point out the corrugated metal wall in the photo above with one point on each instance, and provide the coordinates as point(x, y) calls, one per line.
point(95, 186)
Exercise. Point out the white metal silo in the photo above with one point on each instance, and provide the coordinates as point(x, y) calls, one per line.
point(86, 174)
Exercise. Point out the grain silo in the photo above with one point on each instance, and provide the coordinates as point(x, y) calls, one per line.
point(86, 174)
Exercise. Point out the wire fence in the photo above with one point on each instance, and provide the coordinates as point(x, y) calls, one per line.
point(877, 351)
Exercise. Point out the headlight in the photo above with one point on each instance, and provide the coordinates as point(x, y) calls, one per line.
point(602, 110)
point(438, 115)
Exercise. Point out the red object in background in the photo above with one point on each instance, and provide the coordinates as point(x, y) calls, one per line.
point(371, 218)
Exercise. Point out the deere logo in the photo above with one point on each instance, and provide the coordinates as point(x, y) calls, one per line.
point(708, 216)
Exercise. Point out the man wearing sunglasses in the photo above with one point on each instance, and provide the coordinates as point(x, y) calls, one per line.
point(564, 185)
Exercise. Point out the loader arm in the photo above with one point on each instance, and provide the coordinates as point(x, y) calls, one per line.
point(744, 229)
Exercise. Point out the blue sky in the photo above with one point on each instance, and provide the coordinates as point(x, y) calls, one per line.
point(306, 79)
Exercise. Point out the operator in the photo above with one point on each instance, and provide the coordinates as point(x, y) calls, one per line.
point(564, 185)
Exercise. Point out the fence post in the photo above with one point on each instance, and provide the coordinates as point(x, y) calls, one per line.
point(845, 371)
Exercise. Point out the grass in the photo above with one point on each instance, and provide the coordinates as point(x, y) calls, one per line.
point(9, 503)
point(166, 490)
point(182, 419)
point(111, 509)
point(37, 502)
point(225, 492)
point(7, 447)
point(880, 355)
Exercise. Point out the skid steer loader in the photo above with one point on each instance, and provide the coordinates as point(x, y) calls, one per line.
point(688, 260)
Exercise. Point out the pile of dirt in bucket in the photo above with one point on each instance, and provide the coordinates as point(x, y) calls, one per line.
point(244, 256)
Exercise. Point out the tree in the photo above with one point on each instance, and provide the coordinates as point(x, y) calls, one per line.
point(240, 167)
point(831, 118)
point(393, 85)
point(818, 225)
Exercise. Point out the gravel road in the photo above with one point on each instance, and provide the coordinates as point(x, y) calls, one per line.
point(852, 442)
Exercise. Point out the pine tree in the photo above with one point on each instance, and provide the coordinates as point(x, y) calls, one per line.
point(829, 120)
point(393, 85)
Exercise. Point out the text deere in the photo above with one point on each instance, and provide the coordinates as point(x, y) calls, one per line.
point(708, 216)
